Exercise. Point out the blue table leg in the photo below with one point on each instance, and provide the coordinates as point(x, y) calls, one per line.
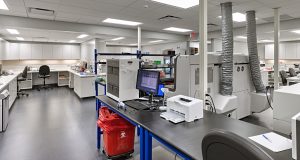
point(98, 137)
point(142, 144)
point(148, 145)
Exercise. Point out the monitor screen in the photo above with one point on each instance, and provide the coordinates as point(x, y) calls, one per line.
point(148, 81)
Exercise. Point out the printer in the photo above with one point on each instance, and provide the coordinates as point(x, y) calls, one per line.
point(182, 108)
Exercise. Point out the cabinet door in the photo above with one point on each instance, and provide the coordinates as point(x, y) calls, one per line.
point(269, 51)
point(75, 52)
point(13, 51)
point(291, 51)
point(25, 51)
point(282, 54)
point(47, 51)
point(36, 51)
point(58, 51)
point(67, 52)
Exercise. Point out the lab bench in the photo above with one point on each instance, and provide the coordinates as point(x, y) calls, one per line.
point(185, 139)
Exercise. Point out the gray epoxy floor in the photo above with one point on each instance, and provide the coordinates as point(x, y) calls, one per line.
point(50, 124)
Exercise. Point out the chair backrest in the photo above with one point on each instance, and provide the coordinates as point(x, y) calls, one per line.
point(24, 73)
point(283, 76)
point(44, 70)
point(227, 145)
point(292, 72)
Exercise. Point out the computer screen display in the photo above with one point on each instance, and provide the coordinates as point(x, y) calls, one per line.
point(148, 81)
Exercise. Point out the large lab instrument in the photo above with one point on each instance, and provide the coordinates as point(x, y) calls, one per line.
point(296, 136)
point(121, 79)
point(243, 100)
point(4, 110)
point(183, 108)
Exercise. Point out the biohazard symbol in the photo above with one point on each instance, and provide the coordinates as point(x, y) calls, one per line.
point(123, 134)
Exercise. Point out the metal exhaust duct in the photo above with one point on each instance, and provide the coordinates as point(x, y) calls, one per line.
point(227, 49)
point(253, 53)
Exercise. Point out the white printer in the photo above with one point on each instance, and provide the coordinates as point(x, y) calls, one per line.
point(182, 108)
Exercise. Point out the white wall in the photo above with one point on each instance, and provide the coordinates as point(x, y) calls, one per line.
point(87, 51)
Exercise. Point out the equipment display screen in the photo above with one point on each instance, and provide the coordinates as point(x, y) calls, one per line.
point(148, 80)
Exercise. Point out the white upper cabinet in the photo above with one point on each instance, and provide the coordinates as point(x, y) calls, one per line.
point(25, 51)
point(291, 51)
point(57, 51)
point(12, 52)
point(75, 52)
point(67, 52)
point(269, 51)
point(36, 51)
point(47, 51)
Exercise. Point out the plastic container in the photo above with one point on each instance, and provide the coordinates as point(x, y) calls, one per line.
point(118, 134)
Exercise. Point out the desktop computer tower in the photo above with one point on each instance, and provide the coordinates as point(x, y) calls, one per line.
point(121, 79)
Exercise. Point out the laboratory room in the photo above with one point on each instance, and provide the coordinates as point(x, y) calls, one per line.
point(149, 80)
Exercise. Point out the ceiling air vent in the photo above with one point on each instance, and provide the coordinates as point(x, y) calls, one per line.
point(283, 17)
point(41, 11)
point(169, 18)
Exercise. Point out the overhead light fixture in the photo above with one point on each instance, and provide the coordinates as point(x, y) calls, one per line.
point(13, 31)
point(82, 36)
point(174, 29)
point(237, 17)
point(156, 41)
point(3, 5)
point(119, 38)
point(122, 22)
point(1, 39)
point(72, 41)
point(20, 38)
point(241, 37)
point(296, 31)
point(179, 3)
point(265, 41)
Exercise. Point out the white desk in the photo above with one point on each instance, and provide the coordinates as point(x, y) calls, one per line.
point(292, 79)
point(83, 83)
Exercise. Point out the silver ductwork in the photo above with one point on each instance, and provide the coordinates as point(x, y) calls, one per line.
point(227, 48)
point(253, 53)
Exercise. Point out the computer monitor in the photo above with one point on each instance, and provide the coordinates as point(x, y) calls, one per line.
point(148, 81)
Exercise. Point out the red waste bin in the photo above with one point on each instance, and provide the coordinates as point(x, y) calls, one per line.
point(118, 134)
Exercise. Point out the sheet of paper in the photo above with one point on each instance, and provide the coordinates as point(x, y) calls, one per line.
point(273, 141)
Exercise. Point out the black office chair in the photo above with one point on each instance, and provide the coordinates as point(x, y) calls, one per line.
point(292, 72)
point(44, 72)
point(221, 145)
point(22, 79)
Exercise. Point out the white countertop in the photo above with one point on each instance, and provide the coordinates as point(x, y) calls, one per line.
point(81, 75)
point(5, 80)
point(293, 89)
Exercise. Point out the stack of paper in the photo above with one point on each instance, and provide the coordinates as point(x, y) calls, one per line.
point(273, 141)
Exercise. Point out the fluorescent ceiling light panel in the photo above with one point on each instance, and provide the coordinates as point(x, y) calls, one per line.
point(241, 37)
point(82, 36)
point(20, 38)
point(3, 5)
point(72, 41)
point(174, 29)
point(179, 3)
point(13, 31)
point(237, 17)
point(122, 22)
point(296, 31)
point(266, 40)
point(119, 38)
point(156, 41)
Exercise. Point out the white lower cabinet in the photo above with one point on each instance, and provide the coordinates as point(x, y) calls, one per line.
point(84, 86)
point(12, 88)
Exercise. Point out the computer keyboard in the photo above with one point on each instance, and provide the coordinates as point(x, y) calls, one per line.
point(136, 105)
